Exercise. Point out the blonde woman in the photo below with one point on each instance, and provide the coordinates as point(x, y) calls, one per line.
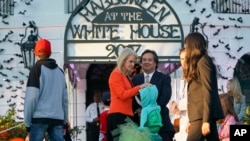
point(234, 90)
point(122, 91)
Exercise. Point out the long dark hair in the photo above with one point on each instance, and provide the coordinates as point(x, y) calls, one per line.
point(195, 48)
point(228, 105)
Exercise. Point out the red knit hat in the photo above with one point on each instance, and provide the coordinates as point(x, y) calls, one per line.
point(42, 47)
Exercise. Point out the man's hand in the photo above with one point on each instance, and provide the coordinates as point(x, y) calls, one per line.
point(138, 111)
point(187, 127)
point(205, 129)
point(96, 120)
point(27, 137)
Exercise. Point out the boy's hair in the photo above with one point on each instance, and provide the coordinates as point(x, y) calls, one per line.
point(106, 98)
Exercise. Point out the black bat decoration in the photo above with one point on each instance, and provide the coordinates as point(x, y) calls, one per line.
point(225, 26)
point(21, 73)
point(221, 42)
point(5, 75)
point(209, 15)
point(217, 32)
point(240, 20)
point(232, 19)
point(9, 87)
point(230, 56)
point(203, 10)
point(239, 49)
point(18, 55)
point(236, 26)
point(17, 43)
point(22, 12)
point(14, 96)
point(9, 68)
point(12, 105)
point(20, 110)
point(5, 22)
point(220, 18)
point(223, 77)
point(21, 82)
point(18, 117)
point(192, 11)
point(14, 90)
point(24, 24)
point(238, 38)
point(227, 47)
point(215, 46)
point(7, 80)
point(8, 61)
point(212, 26)
point(188, 3)
point(212, 4)
point(18, 87)
point(8, 101)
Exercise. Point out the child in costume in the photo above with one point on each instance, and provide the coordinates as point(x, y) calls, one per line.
point(231, 117)
point(150, 120)
point(103, 116)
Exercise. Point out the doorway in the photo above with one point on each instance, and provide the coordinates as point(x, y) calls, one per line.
point(97, 79)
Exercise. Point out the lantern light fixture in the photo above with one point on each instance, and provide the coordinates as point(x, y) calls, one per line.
point(196, 25)
point(27, 47)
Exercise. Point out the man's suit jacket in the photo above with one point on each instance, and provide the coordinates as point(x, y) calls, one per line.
point(163, 84)
point(203, 98)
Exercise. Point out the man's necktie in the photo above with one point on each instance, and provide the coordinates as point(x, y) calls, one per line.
point(147, 78)
point(98, 112)
point(97, 109)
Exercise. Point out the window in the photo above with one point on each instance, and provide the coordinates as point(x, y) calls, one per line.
point(7, 7)
point(231, 6)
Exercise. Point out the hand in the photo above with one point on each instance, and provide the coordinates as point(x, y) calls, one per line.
point(145, 85)
point(138, 111)
point(27, 137)
point(187, 127)
point(96, 119)
point(174, 108)
point(205, 129)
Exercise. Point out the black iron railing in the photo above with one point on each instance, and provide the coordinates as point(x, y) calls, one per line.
point(72, 4)
point(231, 6)
point(6, 7)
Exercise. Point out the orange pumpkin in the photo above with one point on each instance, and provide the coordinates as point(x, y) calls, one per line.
point(4, 134)
point(17, 139)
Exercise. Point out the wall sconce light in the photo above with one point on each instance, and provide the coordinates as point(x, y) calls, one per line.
point(27, 47)
point(194, 27)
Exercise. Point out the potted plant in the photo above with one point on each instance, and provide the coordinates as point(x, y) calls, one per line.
point(247, 116)
point(9, 128)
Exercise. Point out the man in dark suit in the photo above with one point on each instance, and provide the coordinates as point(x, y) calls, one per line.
point(149, 64)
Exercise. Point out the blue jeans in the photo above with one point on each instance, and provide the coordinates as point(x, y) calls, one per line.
point(38, 131)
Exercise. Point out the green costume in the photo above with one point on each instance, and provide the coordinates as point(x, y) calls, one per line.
point(150, 121)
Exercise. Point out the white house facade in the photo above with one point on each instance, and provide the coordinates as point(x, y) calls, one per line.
point(87, 35)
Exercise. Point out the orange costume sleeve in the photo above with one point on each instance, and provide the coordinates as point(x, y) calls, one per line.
point(122, 93)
